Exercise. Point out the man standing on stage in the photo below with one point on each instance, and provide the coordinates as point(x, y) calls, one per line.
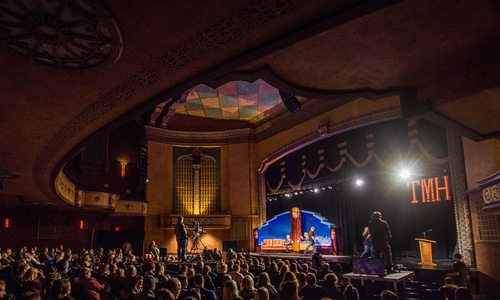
point(380, 236)
point(311, 239)
point(181, 237)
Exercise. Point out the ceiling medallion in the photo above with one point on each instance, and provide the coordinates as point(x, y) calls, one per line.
point(77, 34)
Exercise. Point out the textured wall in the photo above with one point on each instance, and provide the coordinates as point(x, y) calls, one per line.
point(483, 159)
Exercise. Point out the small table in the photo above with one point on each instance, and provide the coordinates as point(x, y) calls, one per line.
point(395, 278)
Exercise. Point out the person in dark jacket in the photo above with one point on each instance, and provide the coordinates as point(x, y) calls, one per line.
point(181, 237)
point(380, 236)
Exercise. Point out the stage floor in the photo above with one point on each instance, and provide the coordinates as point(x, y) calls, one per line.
point(410, 263)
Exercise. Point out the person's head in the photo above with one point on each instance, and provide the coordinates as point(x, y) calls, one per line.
point(365, 231)
point(313, 228)
point(376, 215)
point(222, 268)
point(183, 280)
point(247, 284)
point(289, 290)
point(263, 279)
point(230, 290)
point(62, 287)
point(287, 236)
point(457, 257)
point(289, 276)
point(449, 280)
point(3, 288)
point(261, 294)
point(164, 294)
point(351, 293)
point(388, 295)
point(311, 278)
point(180, 219)
point(463, 293)
point(236, 268)
point(31, 274)
point(174, 286)
point(149, 283)
point(330, 280)
point(199, 281)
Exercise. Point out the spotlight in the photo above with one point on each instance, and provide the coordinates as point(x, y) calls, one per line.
point(323, 188)
point(330, 187)
point(296, 193)
point(316, 190)
point(288, 195)
point(301, 192)
point(359, 182)
point(404, 174)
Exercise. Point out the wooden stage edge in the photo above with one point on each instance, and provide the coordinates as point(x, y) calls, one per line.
point(410, 264)
point(329, 258)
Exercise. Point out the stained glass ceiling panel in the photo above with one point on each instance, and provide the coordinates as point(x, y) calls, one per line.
point(235, 100)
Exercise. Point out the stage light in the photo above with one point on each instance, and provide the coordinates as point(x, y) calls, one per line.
point(296, 193)
point(404, 174)
point(301, 192)
point(359, 182)
point(323, 188)
point(288, 195)
point(316, 190)
point(330, 187)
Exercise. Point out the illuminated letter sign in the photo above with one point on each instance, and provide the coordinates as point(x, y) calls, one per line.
point(432, 189)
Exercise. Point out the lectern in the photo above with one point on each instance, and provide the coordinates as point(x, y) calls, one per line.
point(425, 252)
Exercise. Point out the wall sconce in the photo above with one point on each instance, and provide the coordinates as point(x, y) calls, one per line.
point(81, 225)
point(6, 223)
point(123, 170)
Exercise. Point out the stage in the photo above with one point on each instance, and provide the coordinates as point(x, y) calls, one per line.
point(298, 256)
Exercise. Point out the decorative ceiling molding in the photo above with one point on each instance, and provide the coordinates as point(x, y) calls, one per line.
point(213, 37)
point(66, 34)
point(200, 138)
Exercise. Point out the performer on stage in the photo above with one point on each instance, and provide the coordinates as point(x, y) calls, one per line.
point(311, 236)
point(181, 237)
point(367, 243)
point(381, 234)
point(288, 243)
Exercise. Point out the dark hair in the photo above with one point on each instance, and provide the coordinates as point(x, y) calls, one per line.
point(388, 295)
point(288, 290)
point(463, 293)
point(351, 293)
point(458, 255)
point(198, 279)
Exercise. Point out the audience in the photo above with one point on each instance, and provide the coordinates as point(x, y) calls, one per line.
point(60, 274)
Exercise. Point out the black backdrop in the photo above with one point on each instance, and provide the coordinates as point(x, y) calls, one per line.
point(349, 207)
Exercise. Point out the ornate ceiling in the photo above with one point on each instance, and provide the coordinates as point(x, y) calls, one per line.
point(235, 100)
point(67, 34)
point(441, 51)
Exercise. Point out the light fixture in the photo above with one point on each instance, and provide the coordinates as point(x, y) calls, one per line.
point(6, 223)
point(359, 182)
point(288, 195)
point(296, 193)
point(316, 190)
point(404, 174)
point(81, 225)
point(330, 187)
point(123, 167)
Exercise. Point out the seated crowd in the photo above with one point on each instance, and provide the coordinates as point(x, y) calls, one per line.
point(118, 274)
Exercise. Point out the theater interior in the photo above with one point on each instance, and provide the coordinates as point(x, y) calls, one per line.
point(116, 117)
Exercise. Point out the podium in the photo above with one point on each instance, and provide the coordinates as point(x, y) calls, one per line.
point(426, 251)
